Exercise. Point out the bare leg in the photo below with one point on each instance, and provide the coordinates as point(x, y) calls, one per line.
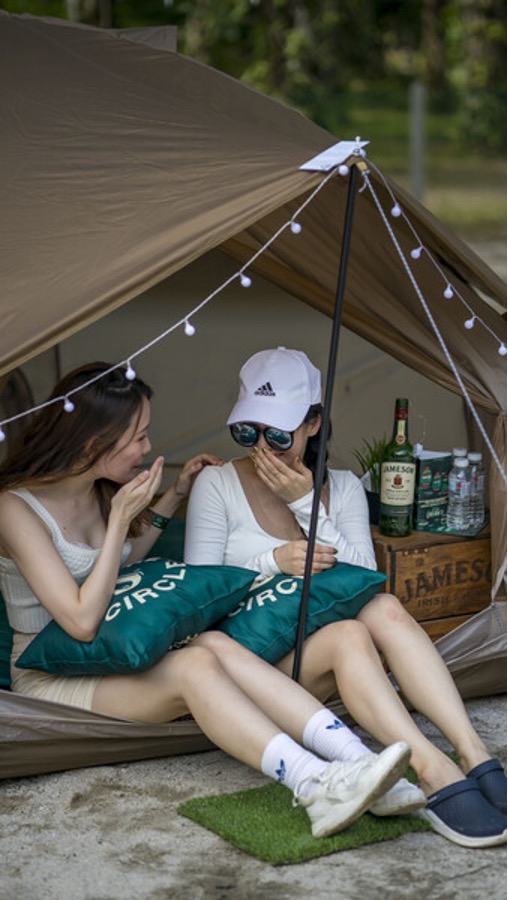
point(283, 700)
point(208, 681)
point(343, 656)
point(422, 675)
point(191, 680)
point(244, 690)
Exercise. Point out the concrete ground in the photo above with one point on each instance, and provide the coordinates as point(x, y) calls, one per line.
point(113, 833)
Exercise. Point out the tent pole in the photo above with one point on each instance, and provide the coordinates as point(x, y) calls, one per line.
point(330, 377)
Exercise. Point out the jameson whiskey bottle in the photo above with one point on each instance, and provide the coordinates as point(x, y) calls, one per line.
point(398, 477)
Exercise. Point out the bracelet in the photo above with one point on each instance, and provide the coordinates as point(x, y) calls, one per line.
point(159, 521)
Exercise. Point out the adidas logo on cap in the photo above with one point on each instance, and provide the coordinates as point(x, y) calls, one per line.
point(265, 390)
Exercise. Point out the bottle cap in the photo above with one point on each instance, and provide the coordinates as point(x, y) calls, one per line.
point(474, 457)
point(461, 462)
point(459, 451)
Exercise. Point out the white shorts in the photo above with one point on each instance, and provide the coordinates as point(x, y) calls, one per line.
point(72, 690)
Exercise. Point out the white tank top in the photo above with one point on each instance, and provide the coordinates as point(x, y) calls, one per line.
point(24, 611)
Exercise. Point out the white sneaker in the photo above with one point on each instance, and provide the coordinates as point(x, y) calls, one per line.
point(403, 798)
point(346, 789)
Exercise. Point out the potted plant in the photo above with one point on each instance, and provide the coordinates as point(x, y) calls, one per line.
point(369, 457)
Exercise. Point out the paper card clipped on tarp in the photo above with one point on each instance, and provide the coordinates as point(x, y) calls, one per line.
point(334, 156)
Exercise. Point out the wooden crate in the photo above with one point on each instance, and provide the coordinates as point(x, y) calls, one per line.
point(440, 579)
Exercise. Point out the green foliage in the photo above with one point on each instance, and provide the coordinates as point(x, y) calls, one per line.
point(481, 119)
point(55, 8)
point(369, 457)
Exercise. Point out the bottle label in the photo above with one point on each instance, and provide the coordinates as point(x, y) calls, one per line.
point(400, 437)
point(397, 483)
point(459, 485)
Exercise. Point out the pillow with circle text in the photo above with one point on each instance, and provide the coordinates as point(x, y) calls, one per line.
point(6, 635)
point(266, 621)
point(158, 605)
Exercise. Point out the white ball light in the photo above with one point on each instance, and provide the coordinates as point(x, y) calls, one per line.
point(68, 405)
point(448, 292)
point(189, 329)
point(130, 373)
point(502, 350)
point(245, 280)
point(416, 253)
point(396, 211)
point(296, 227)
point(2, 435)
point(343, 169)
point(469, 323)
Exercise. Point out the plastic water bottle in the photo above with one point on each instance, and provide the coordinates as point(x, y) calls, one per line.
point(458, 517)
point(477, 489)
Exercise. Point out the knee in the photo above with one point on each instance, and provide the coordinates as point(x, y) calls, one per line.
point(216, 642)
point(196, 662)
point(345, 635)
point(386, 609)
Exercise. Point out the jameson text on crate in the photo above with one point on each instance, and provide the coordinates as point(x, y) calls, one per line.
point(440, 579)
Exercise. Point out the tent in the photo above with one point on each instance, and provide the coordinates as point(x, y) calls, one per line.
point(123, 162)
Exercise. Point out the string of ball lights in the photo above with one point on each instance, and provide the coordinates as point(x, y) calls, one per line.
point(449, 290)
point(368, 184)
point(189, 328)
point(245, 281)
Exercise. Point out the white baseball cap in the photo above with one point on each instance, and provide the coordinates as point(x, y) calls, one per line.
point(276, 388)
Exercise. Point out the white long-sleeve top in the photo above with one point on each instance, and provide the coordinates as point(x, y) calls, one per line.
point(221, 528)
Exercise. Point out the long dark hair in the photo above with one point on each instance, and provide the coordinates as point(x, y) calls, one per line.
point(56, 443)
point(312, 449)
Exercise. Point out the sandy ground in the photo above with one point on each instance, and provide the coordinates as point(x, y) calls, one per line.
point(113, 833)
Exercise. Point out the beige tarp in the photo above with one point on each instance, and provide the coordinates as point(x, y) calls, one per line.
point(123, 162)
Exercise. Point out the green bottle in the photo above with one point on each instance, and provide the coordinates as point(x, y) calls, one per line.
point(398, 470)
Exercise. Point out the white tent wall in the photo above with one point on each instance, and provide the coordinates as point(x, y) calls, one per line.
point(195, 378)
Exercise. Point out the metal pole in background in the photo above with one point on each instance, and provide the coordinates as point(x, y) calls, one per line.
point(330, 377)
point(417, 110)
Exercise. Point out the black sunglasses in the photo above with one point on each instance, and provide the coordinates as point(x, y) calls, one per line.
point(247, 435)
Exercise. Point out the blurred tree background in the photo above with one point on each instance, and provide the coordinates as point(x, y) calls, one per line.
point(349, 66)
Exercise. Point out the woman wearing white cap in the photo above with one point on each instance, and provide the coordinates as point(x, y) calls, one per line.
point(255, 512)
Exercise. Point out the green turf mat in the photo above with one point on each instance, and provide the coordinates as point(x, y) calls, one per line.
point(262, 822)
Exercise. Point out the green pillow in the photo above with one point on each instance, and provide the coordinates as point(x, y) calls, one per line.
point(266, 621)
point(158, 605)
point(170, 542)
point(5, 646)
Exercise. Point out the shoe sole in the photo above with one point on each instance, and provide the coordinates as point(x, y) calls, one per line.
point(404, 809)
point(462, 839)
point(394, 765)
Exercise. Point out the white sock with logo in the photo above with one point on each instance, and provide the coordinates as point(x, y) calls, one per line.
point(326, 735)
point(285, 761)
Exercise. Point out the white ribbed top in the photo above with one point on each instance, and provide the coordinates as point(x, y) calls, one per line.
point(24, 611)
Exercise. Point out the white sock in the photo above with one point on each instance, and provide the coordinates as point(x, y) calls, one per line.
point(285, 761)
point(326, 735)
